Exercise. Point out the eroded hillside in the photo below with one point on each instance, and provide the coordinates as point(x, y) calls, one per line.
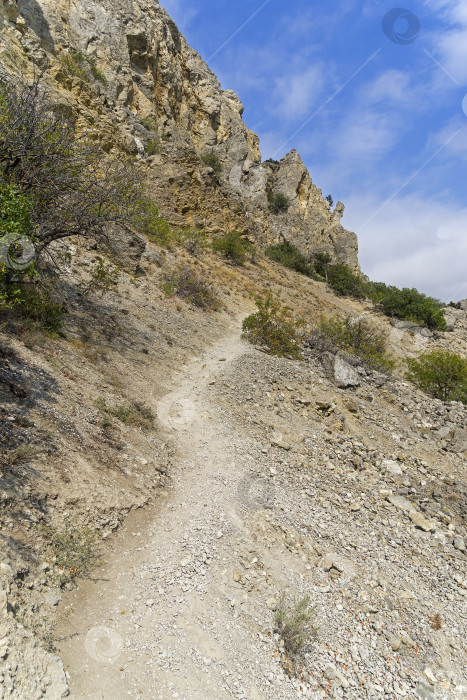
point(194, 481)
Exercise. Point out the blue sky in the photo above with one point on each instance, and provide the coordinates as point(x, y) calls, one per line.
point(379, 117)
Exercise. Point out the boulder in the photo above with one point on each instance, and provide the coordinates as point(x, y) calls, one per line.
point(344, 374)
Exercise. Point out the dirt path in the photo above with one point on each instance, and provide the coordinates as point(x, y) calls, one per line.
point(153, 625)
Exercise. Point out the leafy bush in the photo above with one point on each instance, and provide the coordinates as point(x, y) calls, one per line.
point(37, 304)
point(72, 62)
point(234, 247)
point(354, 336)
point(344, 282)
point(294, 623)
point(150, 223)
point(278, 202)
point(153, 147)
point(214, 162)
point(149, 123)
point(321, 263)
point(329, 199)
point(97, 74)
point(273, 161)
point(15, 221)
point(136, 414)
point(15, 210)
point(274, 328)
point(74, 188)
point(104, 276)
point(193, 239)
point(75, 548)
point(407, 304)
point(440, 373)
point(288, 255)
point(186, 284)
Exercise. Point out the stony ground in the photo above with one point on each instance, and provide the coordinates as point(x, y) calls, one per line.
point(284, 485)
point(260, 481)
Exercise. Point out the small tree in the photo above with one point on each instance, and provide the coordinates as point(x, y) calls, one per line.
point(234, 247)
point(355, 337)
point(440, 373)
point(289, 256)
point(330, 200)
point(72, 187)
point(274, 328)
point(278, 202)
point(213, 161)
point(344, 282)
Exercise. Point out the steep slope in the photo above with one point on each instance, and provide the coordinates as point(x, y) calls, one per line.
point(217, 478)
point(151, 74)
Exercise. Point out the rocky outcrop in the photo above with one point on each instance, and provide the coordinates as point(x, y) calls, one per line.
point(156, 86)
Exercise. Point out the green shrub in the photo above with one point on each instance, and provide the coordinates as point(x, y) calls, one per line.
point(150, 223)
point(273, 161)
point(39, 306)
point(321, 263)
point(407, 304)
point(288, 255)
point(440, 373)
point(355, 337)
point(186, 284)
point(97, 74)
point(294, 624)
point(278, 202)
point(149, 123)
point(234, 247)
point(15, 211)
point(153, 147)
point(72, 62)
point(75, 548)
point(104, 277)
point(344, 282)
point(15, 221)
point(274, 328)
point(193, 239)
point(214, 162)
point(135, 414)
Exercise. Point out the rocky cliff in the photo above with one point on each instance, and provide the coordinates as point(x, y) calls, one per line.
point(151, 85)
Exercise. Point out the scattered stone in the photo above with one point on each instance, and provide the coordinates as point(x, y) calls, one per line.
point(420, 521)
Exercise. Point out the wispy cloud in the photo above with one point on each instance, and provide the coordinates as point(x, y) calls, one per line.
point(299, 92)
point(422, 239)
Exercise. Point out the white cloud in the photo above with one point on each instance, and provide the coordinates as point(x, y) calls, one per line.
point(450, 42)
point(296, 93)
point(412, 242)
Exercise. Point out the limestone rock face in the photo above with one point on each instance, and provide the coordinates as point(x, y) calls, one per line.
point(156, 86)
